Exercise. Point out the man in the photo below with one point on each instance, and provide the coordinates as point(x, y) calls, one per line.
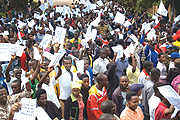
point(154, 100)
point(103, 27)
point(16, 74)
point(99, 65)
point(122, 64)
point(65, 79)
point(132, 110)
point(147, 91)
point(147, 66)
point(132, 71)
point(119, 94)
point(6, 101)
point(97, 95)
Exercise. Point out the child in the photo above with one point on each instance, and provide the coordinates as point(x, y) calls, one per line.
point(74, 104)
point(161, 66)
point(84, 91)
point(109, 107)
point(48, 83)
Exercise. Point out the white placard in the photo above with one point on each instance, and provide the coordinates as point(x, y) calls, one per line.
point(151, 34)
point(46, 40)
point(42, 7)
point(84, 43)
point(129, 50)
point(59, 9)
point(55, 61)
point(27, 111)
point(37, 56)
point(31, 23)
point(51, 2)
point(41, 114)
point(134, 38)
point(92, 6)
point(4, 51)
point(170, 94)
point(37, 16)
point(51, 14)
point(162, 10)
point(177, 18)
point(48, 55)
point(18, 49)
point(94, 33)
point(119, 50)
point(60, 34)
point(119, 18)
point(100, 3)
point(127, 23)
point(46, 5)
point(80, 66)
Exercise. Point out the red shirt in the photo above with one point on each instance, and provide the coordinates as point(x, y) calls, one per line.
point(159, 112)
point(23, 60)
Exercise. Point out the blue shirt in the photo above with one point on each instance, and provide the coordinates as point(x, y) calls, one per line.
point(151, 55)
point(2, 83)
point(121, 66)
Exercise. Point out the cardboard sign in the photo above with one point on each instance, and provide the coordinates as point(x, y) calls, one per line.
point(4, 51)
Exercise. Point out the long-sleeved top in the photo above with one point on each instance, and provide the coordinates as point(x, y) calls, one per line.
point(121, 66)
point(147, 92)
point(96, 97)
point(117, 98)
point(151, 55)
point(113, 80)
point(174, 72)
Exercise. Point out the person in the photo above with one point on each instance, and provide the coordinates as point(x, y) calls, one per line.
point(174, 72)
point(109, 107)
point(99, 65)
point(147, 66)
point(162, 111)
point(147, 91)
point(132, 71)
point(154, 100)
point(138, 89)
point(66, 78)
point(85, 92)
point(122, 64)
point(112, 79)
point(49, 107)
point(107, 116)
point(150, 53)
point(132, 110)
point(97, 95)
point(48, 84)
point(7, 101)
point(119, 94)
point(161, 66)
point(74, 105)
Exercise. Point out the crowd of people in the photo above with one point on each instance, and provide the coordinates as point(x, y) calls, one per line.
point(124, 65)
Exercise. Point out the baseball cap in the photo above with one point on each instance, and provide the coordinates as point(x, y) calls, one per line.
point(169, 46)
point(175, 54)
point(136, 87)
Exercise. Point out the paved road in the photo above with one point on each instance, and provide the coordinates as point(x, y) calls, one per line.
point(60, 2)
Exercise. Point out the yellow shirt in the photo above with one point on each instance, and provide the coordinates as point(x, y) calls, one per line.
point(72, 40)
point(133, 77)
point(177, 43)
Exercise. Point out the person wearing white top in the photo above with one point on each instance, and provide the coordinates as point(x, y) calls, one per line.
point(48, 85)
point(99, 65)
point(154, 101)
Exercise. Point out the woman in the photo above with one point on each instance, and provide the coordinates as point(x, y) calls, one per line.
point(74, 104)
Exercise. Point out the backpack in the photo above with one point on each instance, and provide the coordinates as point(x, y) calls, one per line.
point(175, 83)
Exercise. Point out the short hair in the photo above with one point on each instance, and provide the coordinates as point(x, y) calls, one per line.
point(41, 74)
point(83, 76)
point(110, 64)
point(39, 92)
point(130, 59)
point(177, 62)
point(130, 94)
point(32, 60)
point(102, 50)
point(17, 67)
point(155, 71)
point(2, 87)
point(67, 58)
point(18, 81)
point(107, 106)
point(156, 85)
point(146, 64)
point(106, 116)
point(100, 77)
point(160, 54)
point(106, 46)
point(46, 60)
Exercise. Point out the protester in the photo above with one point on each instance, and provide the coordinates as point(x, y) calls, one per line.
point(97, 42)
